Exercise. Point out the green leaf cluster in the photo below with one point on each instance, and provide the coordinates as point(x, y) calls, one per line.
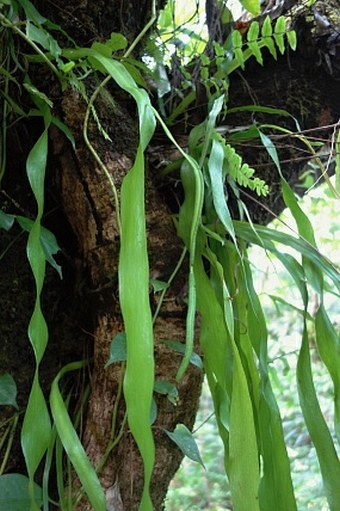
point(233, 336)
point(8, 391)
point(14, 493)
point(260, 37)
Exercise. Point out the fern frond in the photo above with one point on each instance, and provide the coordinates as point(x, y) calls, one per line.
point(242, 173)
point(259, 38)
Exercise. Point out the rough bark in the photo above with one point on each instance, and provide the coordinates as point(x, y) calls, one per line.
point(304, 82)
point(87, 201)
point(88, 204)
point(83, 194)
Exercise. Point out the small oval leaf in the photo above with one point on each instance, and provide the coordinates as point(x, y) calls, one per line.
point(252, 6)
point(14, 495)
point(117, 349)
point(168, 389)
point(195, 359)
point(8, 391)
point(6, 221)
point(184, 439)
point(292, 41)
point(158, 285)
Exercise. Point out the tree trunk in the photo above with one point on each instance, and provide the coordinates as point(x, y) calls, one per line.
point(87, 201)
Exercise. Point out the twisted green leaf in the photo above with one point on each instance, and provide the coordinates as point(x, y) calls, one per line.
point(134, 292)
point(314, 263)
point(244, 456)
point(35, 435)
point(276, 489)
point(317, 427)
point(328, 342)
point(72, 445)
point(215, 167)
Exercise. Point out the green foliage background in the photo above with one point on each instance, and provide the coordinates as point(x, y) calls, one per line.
point(233, 335)
point(194, 488)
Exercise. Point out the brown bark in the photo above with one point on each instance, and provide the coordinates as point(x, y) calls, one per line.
point(87, 201)
point(305, 83)
point(83, 195)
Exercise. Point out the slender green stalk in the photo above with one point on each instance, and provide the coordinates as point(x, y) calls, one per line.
point(171, 278)
point(9, 443)
point(113, 439)
point(94, 152)
point(4, 435)
point(305, 141)
point(47, 468)
point(7, 23)
point(196, 192)
point(90, 108)
point(143, 32)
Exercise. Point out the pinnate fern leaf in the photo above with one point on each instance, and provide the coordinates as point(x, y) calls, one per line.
point(242, 173)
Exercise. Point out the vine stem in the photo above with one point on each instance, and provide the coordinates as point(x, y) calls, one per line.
point(9, 444)
point(115, 439)
point(196, 219)
point(90, 107)
point(7, 23)
point(171, 278)
point(305, 141)
point(94, 152)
